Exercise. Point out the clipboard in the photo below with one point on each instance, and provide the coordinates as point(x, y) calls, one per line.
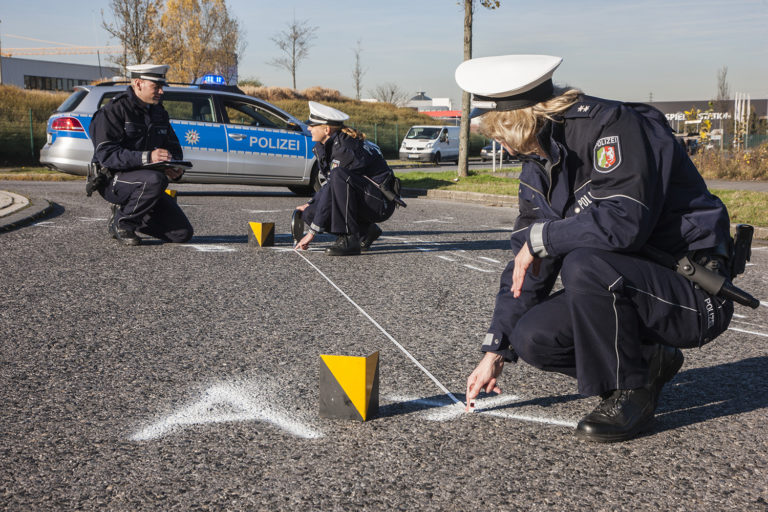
point(170, 164)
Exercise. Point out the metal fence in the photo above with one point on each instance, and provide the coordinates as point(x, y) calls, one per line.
point(22, 134)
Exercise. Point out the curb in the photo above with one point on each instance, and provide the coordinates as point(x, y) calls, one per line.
point(37, 208)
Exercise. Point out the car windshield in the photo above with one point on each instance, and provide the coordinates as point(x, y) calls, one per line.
point(423, 133)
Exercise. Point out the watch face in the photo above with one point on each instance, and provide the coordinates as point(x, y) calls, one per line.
point(297, 225)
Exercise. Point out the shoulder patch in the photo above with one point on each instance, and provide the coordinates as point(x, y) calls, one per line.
point(607, 154)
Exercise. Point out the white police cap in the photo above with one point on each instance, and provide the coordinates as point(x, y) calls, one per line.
point(151, 72)
point(507, 82)
point(323, 114)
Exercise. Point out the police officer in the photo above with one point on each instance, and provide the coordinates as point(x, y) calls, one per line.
point(128, 133)
point(353, 199)
point(602, 182)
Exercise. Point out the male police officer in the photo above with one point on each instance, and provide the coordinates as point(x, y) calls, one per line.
point(357, 193)
point(128, 133)
point(603, 183)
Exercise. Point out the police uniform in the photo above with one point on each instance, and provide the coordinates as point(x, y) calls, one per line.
point(612, 182)
point(351, 201)
point(125, 132)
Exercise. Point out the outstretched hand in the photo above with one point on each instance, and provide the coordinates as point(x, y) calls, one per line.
point(484, 377)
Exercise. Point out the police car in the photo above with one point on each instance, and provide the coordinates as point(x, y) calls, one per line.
point(229, 137)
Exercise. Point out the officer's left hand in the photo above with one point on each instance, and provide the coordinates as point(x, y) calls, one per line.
point(303, 244)
point(523, 260)
point(174, 172)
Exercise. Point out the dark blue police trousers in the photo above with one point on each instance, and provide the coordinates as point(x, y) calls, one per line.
point(348, 203)
point(602, 326)
point(145, 207)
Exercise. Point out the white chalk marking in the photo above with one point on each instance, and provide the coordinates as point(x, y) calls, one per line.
point(489, 259)
point(483, 406)
point(227, 403)
point(393, 238)
point(263, 211)
point(437, 221)
point(477, 268)
point(748, 332)
point(424, 249)
point(46, 224)
point(210, 248)
point(92, 219)
point(764, 303)
point(749, 323)
point(446, 258)
point(375, 323)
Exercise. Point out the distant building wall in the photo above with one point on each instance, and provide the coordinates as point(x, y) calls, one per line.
point(50, 76)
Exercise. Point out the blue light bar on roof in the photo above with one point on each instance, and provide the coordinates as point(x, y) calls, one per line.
point(212, 80)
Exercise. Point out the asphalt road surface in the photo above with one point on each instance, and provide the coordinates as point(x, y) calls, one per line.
point(185, 377)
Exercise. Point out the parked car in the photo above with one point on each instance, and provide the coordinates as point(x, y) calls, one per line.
point(431, 144)
point(487, 153)
point(229, 137)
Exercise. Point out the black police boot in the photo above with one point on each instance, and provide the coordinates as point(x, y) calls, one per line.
point(621, 415)
point(124, 236)
point(664, 365)
point(345, 245)
point(371, 235)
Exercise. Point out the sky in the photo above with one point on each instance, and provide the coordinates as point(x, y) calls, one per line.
point(630, 50)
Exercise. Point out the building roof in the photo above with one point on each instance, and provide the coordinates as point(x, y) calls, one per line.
point(421, 96)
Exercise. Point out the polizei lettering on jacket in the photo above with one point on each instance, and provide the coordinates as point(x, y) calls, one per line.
point(274, 143)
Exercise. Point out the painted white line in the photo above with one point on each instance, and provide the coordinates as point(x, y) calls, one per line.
point(478, 269)
point(210, 248)
point(227, 403)
point(375, 323)
point(748, 332)
point(489, 259)
point(446, 258)
point(486, 406)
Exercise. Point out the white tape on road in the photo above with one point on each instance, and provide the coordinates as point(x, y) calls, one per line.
point(376, 324)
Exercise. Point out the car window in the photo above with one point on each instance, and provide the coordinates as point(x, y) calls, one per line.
point(423, 133)
point(108, 97)
point(73, 101)
point(251, 114)
point(189, 107)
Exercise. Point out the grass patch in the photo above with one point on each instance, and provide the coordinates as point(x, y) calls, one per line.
point(37, 174)
point(477, 181)
point(744, 206)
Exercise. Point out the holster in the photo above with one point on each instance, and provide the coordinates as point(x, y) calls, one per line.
point(98, 178)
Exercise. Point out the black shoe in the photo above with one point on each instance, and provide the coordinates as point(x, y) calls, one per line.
point(371, 235)
point(664, 365)
point(621, 415)
point(124, 236)
point(345, 245)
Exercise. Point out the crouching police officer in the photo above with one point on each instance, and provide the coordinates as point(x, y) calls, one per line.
point(359, 189)
point(602, 181)
point(128, 133)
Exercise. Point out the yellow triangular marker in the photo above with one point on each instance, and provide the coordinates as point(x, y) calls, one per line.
point(352, 374)
point(262, 230)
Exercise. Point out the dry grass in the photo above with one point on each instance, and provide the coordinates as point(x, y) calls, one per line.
point(750, 164)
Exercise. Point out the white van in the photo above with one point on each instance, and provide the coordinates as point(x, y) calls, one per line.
point(431, 144)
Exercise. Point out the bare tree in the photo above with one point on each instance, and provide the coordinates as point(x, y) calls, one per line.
point(358, 71)
point(390, 93)
point(197, 38)
point(723, 90)
point(294, 42)
point(469, 7)
point(133, 25)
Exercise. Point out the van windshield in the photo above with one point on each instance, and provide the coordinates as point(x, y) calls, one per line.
point(426, 132)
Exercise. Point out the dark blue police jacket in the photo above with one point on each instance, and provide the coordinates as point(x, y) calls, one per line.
point(616, 179)
point(341, 150)
point(126, 130)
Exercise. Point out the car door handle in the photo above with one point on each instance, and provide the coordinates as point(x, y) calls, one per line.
point(236, 136)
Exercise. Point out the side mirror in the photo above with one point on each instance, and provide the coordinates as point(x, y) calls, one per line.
point(293, 126)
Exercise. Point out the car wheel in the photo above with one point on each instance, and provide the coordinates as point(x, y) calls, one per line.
point(436, 158)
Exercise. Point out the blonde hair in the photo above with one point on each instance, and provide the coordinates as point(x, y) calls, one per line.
point(352, 133)
point(518, 128)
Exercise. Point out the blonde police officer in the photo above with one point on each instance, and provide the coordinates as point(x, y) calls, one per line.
point(601, 181)
point(351, 202)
